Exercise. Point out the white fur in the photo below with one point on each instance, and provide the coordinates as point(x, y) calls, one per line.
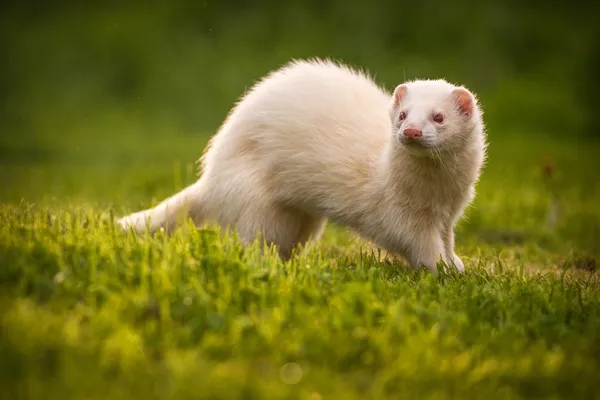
point(316, 140)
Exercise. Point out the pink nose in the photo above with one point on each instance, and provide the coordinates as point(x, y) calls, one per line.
point(412, 133)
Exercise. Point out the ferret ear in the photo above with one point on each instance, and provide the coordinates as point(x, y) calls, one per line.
point(464, 100)
point(399, 93)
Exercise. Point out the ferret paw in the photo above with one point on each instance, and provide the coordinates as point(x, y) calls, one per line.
point(458, 263)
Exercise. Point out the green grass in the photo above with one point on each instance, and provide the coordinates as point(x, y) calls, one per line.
point(89, 312)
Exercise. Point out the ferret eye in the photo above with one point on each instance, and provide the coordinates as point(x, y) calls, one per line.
point(402, 116)
point(439, 118)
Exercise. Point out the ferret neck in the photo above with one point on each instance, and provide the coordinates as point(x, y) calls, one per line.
point(397, 161)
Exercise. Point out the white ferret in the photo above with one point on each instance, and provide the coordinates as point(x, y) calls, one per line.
point(317, 141)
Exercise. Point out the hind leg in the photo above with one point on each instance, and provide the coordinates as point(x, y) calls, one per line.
point(311, 230)
point(286, 228)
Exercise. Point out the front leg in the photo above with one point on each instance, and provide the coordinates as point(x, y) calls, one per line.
point(448, 238)
point(426, 248)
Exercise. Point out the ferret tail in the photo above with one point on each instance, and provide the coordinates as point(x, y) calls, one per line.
point(169, 213)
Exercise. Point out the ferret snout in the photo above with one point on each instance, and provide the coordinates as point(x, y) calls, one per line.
point(412, 133)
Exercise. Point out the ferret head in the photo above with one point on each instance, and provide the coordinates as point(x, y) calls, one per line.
point(433, 115)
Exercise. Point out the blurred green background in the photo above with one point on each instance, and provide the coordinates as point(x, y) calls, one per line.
point(91, 89)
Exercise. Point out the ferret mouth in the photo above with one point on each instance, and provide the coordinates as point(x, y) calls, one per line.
point(414, 143)
point(418, 147)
